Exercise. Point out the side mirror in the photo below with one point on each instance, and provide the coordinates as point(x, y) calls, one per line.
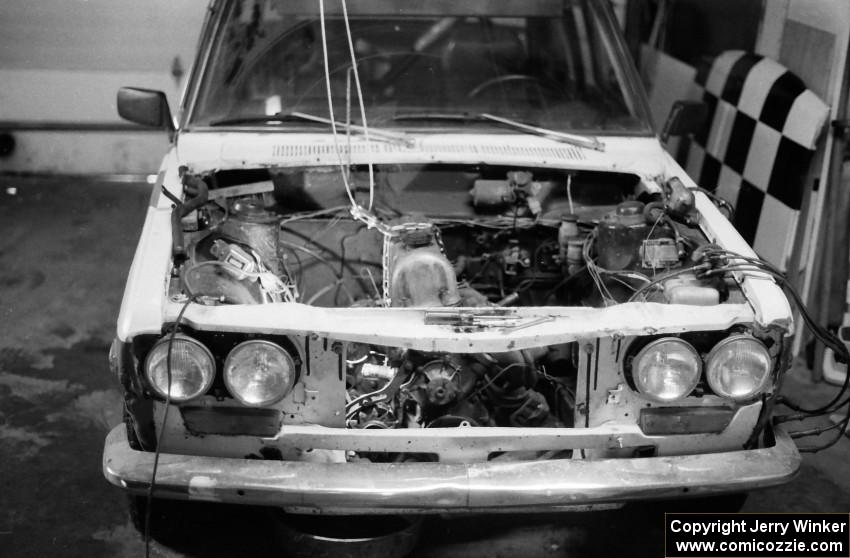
point(146, 107)
point(686, 118)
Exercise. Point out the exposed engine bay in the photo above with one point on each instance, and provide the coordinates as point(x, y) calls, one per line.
point(446, 239)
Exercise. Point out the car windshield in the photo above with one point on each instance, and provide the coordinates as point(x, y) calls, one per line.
point(428, 64)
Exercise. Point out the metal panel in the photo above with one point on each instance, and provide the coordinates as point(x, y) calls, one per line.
point(434, 487)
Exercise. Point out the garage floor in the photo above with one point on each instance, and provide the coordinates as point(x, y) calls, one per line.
point(65, 248)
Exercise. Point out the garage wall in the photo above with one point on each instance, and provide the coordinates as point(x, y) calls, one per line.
point(61, 62)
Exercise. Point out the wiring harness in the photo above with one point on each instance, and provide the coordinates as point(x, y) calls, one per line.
point(716, 261)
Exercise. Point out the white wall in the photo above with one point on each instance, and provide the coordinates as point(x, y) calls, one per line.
point(61, 61)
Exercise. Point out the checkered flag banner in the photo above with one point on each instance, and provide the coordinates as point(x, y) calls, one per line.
point(763, 125)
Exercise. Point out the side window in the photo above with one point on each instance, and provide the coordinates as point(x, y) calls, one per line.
point(693, 31)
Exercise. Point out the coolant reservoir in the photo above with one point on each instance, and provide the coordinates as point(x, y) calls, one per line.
point(421, 275)
point(619, 236)
point(687, 289)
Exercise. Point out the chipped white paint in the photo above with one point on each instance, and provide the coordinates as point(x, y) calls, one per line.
point(406, 327)
point(208, 150)
point(202, 487)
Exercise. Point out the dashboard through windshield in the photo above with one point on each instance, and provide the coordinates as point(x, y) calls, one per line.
point(424, 65)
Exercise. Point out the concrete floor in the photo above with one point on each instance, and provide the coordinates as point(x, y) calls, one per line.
point(65, 248)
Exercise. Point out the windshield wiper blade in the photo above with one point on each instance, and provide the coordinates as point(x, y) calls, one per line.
point(256, 119)
point(447, 116)
point(374, 133)
point(573, 139)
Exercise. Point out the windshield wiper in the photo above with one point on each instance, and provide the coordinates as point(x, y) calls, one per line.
point(281, 117)
point(256, 119)
point(573, 139)
point(581, 141)
point(447, 116)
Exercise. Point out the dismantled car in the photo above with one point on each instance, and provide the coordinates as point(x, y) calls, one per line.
point(420, 257)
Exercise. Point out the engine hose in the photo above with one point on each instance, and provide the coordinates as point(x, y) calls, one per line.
point(196, 188)
point(199, 191)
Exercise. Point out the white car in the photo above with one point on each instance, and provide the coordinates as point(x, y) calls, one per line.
point(420, 257)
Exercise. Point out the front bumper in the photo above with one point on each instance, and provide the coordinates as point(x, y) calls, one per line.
point(445, 487)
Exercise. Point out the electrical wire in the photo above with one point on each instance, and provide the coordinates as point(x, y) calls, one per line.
point(152, 485)
point(366, 272)
point(720, 262)
point(563, 282)
point(269, 282)
point(356, 210)
point(327, 69)
point(499, 223)
point(828, 338)
point(842, 430)
point(314, 254)
point(313, 214)
point(348, 120)
point(497, 375)
point(360, 102)
point(593, 270)
point(818, 431)
point(318, 294)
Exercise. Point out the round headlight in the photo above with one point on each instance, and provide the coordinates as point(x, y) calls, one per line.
point(738, 367)
point(259, 373)
point(192, 368)
point(666, 370)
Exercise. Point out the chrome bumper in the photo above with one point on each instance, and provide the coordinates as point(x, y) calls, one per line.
point(445, 487)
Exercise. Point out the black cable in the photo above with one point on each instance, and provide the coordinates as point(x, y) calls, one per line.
point(828, 338)
point(174, 199)
point(171, 337)
point(842, 429)
point(781, 419)
point(831, 342)
point(759, 265)
point(563, 282)
point(817, 432)
point(824, 335)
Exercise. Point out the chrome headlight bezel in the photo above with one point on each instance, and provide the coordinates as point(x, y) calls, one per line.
point(285, 387)
point(714, 382)
point(160, 351)
point(687, 387)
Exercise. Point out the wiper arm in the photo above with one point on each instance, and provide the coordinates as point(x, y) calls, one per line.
point(377, 133)
point(374, 133)
point(573, 139)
